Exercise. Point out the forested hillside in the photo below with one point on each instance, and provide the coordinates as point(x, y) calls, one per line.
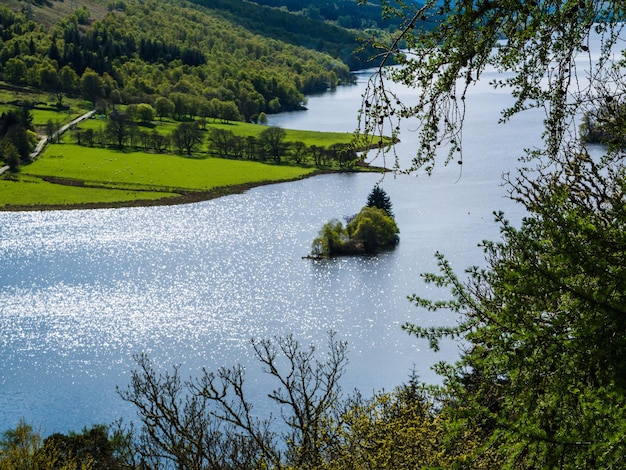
point(345, 13)
point(313, 31)
point(194, 56)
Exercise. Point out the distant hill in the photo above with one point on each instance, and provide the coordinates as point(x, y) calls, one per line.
point(226, 59)
point(336, 30)
point(344, 13)
point(310, 31)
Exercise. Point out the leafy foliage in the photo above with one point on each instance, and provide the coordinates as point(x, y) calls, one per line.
point(92, 449)
point(536, 43)
point(187, 136)
point(399, 429)
point(16, 137)
point(541, 376)
point(136, 54)
point(605, 123)
point(272, 139)
point(368, 232)
point(545, 362)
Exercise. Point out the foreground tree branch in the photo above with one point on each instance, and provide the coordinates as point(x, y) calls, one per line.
point(210, 421)
point(444, 48)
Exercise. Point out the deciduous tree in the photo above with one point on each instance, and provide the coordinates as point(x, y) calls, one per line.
point(145, 112)
point(187, 136)
point(163, 107)
point(118, 127)
point(209, 422)
point(372, 230)
point(366, 233)
point(92, 86)
point(536, 43)
point(273, 139)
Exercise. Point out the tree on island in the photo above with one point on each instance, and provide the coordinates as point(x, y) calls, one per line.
point(371, 230)
point(379, 198)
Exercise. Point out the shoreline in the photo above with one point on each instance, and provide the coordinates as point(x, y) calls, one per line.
point(187, 197)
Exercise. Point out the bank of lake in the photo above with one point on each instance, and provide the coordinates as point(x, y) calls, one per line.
point(70, 176)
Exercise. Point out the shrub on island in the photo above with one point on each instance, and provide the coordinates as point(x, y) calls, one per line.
point(371, 230)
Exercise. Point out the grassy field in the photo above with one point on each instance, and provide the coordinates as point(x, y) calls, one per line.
point(24, 192)
point(41, 116)
point(68, 175)
point(44, 109)
point(243, 129)
point(148, 171)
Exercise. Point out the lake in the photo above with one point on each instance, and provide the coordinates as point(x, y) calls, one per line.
point(81, 292)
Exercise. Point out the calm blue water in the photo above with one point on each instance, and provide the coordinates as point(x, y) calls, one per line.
point(82, 291)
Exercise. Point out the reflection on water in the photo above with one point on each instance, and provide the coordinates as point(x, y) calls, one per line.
point(82, 291)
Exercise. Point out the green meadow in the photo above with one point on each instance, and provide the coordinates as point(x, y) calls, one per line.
point(149, 171)
point(25, 192)
point(242, 129)
point(41, 116)
point(43, 107)
point(68, 175)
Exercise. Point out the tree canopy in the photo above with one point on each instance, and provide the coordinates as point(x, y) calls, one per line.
point(135, 54)
point(94, 448)
point(371, 230)
point(17, 138)
point(535, 43)
point(541, 374)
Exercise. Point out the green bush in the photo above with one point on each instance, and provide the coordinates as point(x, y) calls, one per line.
point(370, 231)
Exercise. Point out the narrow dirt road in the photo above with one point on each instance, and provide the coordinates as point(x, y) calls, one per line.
point(44, 140)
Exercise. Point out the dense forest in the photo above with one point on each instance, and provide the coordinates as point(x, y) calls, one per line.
point(346, 13)
point(316, 32)
point(138, 54)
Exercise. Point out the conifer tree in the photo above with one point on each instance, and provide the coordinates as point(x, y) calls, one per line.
point(379, 198)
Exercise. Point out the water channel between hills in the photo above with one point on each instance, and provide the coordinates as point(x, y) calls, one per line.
point(82, 291)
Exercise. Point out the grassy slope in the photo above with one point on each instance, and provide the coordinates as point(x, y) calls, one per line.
point(161, 172)
point(49, 14)
point(69, 176)
point(27, 193)
point(44, 108)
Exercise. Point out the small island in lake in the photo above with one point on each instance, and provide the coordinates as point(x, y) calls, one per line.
point(371, 230)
